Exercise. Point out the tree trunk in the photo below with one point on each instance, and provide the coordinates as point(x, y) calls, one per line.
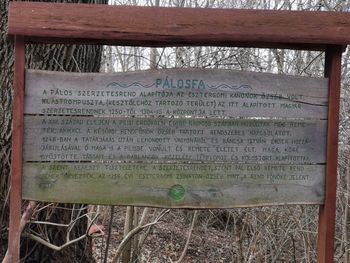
point(47, 57)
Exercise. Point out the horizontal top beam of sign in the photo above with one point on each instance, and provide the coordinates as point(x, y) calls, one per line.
point(178, 93)
point(159, 26)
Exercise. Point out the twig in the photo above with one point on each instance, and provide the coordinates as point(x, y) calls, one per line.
point(48, 223)
point(135, 231)
point(52, 246)
point(74, 221)
point(27, 215)
point(92, 221)
point(43, 208)
point(128, 225)
point(59, 248)
point(311, 61)
point(145, 234)
point(24, 220)
point(184, 251)
point(109, 234)
point(126, 239)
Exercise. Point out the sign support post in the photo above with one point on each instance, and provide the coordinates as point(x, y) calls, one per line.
point(17, 147)
point(327, 211)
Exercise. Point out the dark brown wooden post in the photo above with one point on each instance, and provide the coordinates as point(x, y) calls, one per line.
point(17, 144)
point(326, 226)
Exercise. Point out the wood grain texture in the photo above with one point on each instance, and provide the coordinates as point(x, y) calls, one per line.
point(63, 138)
point(159, 26)
point(326, 232)
point(203, 185)
point(177, 93)
point(17, 151)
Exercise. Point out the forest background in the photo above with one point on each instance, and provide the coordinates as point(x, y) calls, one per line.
point(99, 233)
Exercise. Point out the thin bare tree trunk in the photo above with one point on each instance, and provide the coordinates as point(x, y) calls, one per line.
point(128, 226)
point(184, 251)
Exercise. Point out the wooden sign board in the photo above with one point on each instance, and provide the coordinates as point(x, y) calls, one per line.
point(176, 93)
point(327, 31)
point(176, 138)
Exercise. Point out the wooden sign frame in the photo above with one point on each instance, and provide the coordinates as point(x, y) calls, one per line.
point(158, 27)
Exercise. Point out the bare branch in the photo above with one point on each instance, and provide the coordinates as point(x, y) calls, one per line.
point(184, 251)
point(24, 220)
point(52, 246)
point(134, 232)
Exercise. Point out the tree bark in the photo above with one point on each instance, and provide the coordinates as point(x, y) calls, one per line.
point(84, 58)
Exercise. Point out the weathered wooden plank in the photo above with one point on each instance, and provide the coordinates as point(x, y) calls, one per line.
point(174, 185)
point(159, 26)
point(64, 138)
point(190, 92)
